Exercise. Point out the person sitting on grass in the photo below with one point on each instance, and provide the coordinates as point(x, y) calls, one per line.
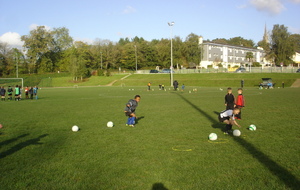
point(228, 117)
point(130, 110)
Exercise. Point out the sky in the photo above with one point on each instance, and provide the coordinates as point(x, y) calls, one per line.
point(90, 20)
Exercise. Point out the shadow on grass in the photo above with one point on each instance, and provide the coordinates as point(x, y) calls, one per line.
point(280, 172)
point(21, 145)
point(159, 186)
point(139, 118)
point(12, 140)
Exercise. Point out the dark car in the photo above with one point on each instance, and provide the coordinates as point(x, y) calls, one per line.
point(240, 70)
point(154, 71)
point(298, 71)
point(167, 71)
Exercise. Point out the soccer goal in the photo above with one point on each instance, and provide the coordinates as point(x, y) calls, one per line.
point(11, 82)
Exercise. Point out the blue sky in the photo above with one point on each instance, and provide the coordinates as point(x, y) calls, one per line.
point(88, 20)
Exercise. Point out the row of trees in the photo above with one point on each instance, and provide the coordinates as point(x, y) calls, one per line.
point(55, 50)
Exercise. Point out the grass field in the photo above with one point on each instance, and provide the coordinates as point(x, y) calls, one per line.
point(168, 148)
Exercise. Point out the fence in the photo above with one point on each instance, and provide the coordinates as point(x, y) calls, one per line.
point(225, 70)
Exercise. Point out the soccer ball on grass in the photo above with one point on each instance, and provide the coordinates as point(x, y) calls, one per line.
point(236, 133)
point(213, 136)
point(75, 128)
point(252, 127)
point(110, 124)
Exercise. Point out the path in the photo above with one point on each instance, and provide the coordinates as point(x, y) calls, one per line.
point(110, 84)
point(296, 84)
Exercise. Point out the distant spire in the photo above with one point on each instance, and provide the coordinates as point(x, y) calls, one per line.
point(266, 38)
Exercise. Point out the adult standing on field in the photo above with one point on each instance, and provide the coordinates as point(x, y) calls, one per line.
point(242, 83)
point(175, 84)
point(2, 93)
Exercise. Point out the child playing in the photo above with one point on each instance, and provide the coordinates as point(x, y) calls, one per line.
point(130, 110)
point(229, 99)
point(2, 93)
point(228, 117)
point(240, 103)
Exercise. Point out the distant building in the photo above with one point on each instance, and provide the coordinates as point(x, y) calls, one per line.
point(296, 57)
point(227, 55)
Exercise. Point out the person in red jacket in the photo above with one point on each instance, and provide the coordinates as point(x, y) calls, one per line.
point(240, 103)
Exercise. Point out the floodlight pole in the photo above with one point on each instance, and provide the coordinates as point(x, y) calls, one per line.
point(171, 24)
point(101, 60)
point(135, 59)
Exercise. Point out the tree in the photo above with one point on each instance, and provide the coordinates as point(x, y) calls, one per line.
point(249, 56)
point(239, 41)
point(282, 45)
point(192, 50)
point(38, 43)
point(296, 40)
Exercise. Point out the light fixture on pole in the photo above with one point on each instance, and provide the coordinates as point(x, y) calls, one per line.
point(171, 68)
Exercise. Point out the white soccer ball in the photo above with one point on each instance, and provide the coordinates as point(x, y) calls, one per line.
point(252, 127)
point(75, 128)
point(110, 124)
point(213, 136)
point(236, 133)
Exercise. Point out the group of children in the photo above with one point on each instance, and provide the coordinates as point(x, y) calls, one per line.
point(228, 116)
point(32, 91)
point(233, 109)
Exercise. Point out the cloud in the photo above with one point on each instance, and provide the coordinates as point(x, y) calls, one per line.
point(128, 10)
point(273, 7)
point(13, 39)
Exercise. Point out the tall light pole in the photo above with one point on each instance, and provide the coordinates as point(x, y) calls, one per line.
point(171, 24)
point(135, 58)
point(101, 60)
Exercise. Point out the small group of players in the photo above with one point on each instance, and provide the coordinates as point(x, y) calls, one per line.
point(228, 116)
point(17, 91)
point(233, 110)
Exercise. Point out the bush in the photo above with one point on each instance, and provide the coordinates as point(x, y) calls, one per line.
point(100, 72)
point(108, 73)
point(256, 64)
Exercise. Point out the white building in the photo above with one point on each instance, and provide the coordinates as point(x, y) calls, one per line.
point(296, 57)
point(227, 55)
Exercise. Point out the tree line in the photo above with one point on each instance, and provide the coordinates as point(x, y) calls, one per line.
point(55, 50)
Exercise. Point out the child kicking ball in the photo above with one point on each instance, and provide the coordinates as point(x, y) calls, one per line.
point(130, 110)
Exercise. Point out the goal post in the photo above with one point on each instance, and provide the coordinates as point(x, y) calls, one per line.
point(11, 82)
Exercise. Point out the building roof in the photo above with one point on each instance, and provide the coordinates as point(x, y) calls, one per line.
point(232, 46)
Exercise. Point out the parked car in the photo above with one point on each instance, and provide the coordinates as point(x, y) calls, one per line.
point(298, 71)
point(167, 71)
point(154, 71)
point(240, 70)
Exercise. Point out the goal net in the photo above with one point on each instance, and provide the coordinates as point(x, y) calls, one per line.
point(11, 82)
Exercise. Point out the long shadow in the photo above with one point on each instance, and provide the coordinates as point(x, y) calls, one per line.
point(159, 186)
point(22, 145)
point(12, 140)
point(280, 172)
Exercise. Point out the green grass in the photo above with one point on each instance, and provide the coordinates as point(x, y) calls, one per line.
point(167, 149)
point(210, 79)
